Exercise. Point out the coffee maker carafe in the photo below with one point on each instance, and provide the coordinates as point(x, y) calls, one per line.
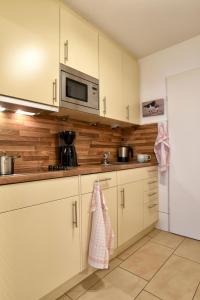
point(67, 151)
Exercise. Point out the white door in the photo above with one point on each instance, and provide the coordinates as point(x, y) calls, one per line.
point(184, 179)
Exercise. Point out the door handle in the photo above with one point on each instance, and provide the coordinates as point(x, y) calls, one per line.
point(66, 51)
point(152, 194)
point(55, 90)
point(104, 106)
point(152, 205)
point(123, 198)
point(75, 214)
point(127, 112)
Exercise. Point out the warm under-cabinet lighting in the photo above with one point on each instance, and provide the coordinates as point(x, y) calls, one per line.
point(2, 109)
point(26, 113)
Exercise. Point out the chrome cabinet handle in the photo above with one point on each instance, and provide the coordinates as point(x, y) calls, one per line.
point(104, 179)
point(127, 112)
point(66, 51)
point(75, 214)
point(152, 205)
point(55, 90)
point(151, 182)
point(123, 198)
point(104, 105)
point(152, 194)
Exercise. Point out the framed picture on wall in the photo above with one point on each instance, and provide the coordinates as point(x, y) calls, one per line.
point(152, 108)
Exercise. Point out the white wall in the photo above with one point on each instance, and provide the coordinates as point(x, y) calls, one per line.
point(153, 72)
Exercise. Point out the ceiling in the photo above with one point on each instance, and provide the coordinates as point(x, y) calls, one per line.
point(143, 26)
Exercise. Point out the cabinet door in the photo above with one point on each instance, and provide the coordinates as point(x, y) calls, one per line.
point(78, 43)
point(130, 211)
point(110, 75)
point(29, 52)
point(130, 91)
point(111, 201)
point(39, 249)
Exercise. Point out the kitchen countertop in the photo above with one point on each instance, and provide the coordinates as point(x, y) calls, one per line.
point(81, 170)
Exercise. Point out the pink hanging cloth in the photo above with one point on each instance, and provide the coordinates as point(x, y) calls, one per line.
point(102, 236)
point(162, 148)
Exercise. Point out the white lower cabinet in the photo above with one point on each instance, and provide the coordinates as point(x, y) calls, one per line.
point(130, 211)
point(44, 235)
point(40, 248)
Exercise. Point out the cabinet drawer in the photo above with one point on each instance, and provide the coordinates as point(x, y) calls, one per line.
point(150, 213)
point(31, 193)
point(151, 184)
point(127, 176)
point(107, 180)
point(151, 172)
point(151, 196)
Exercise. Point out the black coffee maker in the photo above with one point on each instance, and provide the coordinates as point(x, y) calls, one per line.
point(67, 151)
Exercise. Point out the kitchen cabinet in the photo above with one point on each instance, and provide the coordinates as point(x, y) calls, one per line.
point(110, 79)
point(110, 194)
point(78, 42)
point(40, 248)
point(130, 88)
point(119, 82)
point(130, 211)
point(44, 235)
point(29, 53)
point(137, 201)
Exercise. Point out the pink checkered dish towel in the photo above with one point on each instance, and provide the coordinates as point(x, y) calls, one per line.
point(102, 236)
point(162, 147)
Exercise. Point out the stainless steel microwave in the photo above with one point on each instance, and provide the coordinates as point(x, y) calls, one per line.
point(79, 91)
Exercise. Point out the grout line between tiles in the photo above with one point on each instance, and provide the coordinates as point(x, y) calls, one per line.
point(157, 243)
point(119, 265)
point(191, 260)
point(196, 290)
point(133, 274)
point(164, 264)
point(122, 260)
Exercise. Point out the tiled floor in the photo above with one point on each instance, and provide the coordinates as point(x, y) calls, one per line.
point(159, 266)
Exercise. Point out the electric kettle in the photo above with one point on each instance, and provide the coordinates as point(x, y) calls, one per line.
point(125, 153)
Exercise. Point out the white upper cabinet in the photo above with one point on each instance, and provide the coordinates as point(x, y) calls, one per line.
point(130, 88)
point(119, 82)
point(29, 52)
point(110, 79)
point(78, 42)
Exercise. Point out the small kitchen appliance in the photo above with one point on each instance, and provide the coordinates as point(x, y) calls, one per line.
point(67, 150)
point(79, 91)
point(7, 164)
point(125, 153)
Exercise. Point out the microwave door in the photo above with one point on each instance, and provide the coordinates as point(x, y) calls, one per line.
point(76, 90)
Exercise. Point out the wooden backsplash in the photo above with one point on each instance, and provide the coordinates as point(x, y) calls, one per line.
point(35, 139)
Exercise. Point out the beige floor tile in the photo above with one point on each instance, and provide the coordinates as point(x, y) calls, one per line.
point(146, 296)
point(133, 248)
point(197, 294)
point(119, 285)
point(83, 286)
point(190, 249)
point(154, 232)
point(168, 239)
point(178, 279)
point(146, 261)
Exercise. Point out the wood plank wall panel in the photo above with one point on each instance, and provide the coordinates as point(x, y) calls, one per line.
point(36, 139)
point(142, 139)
